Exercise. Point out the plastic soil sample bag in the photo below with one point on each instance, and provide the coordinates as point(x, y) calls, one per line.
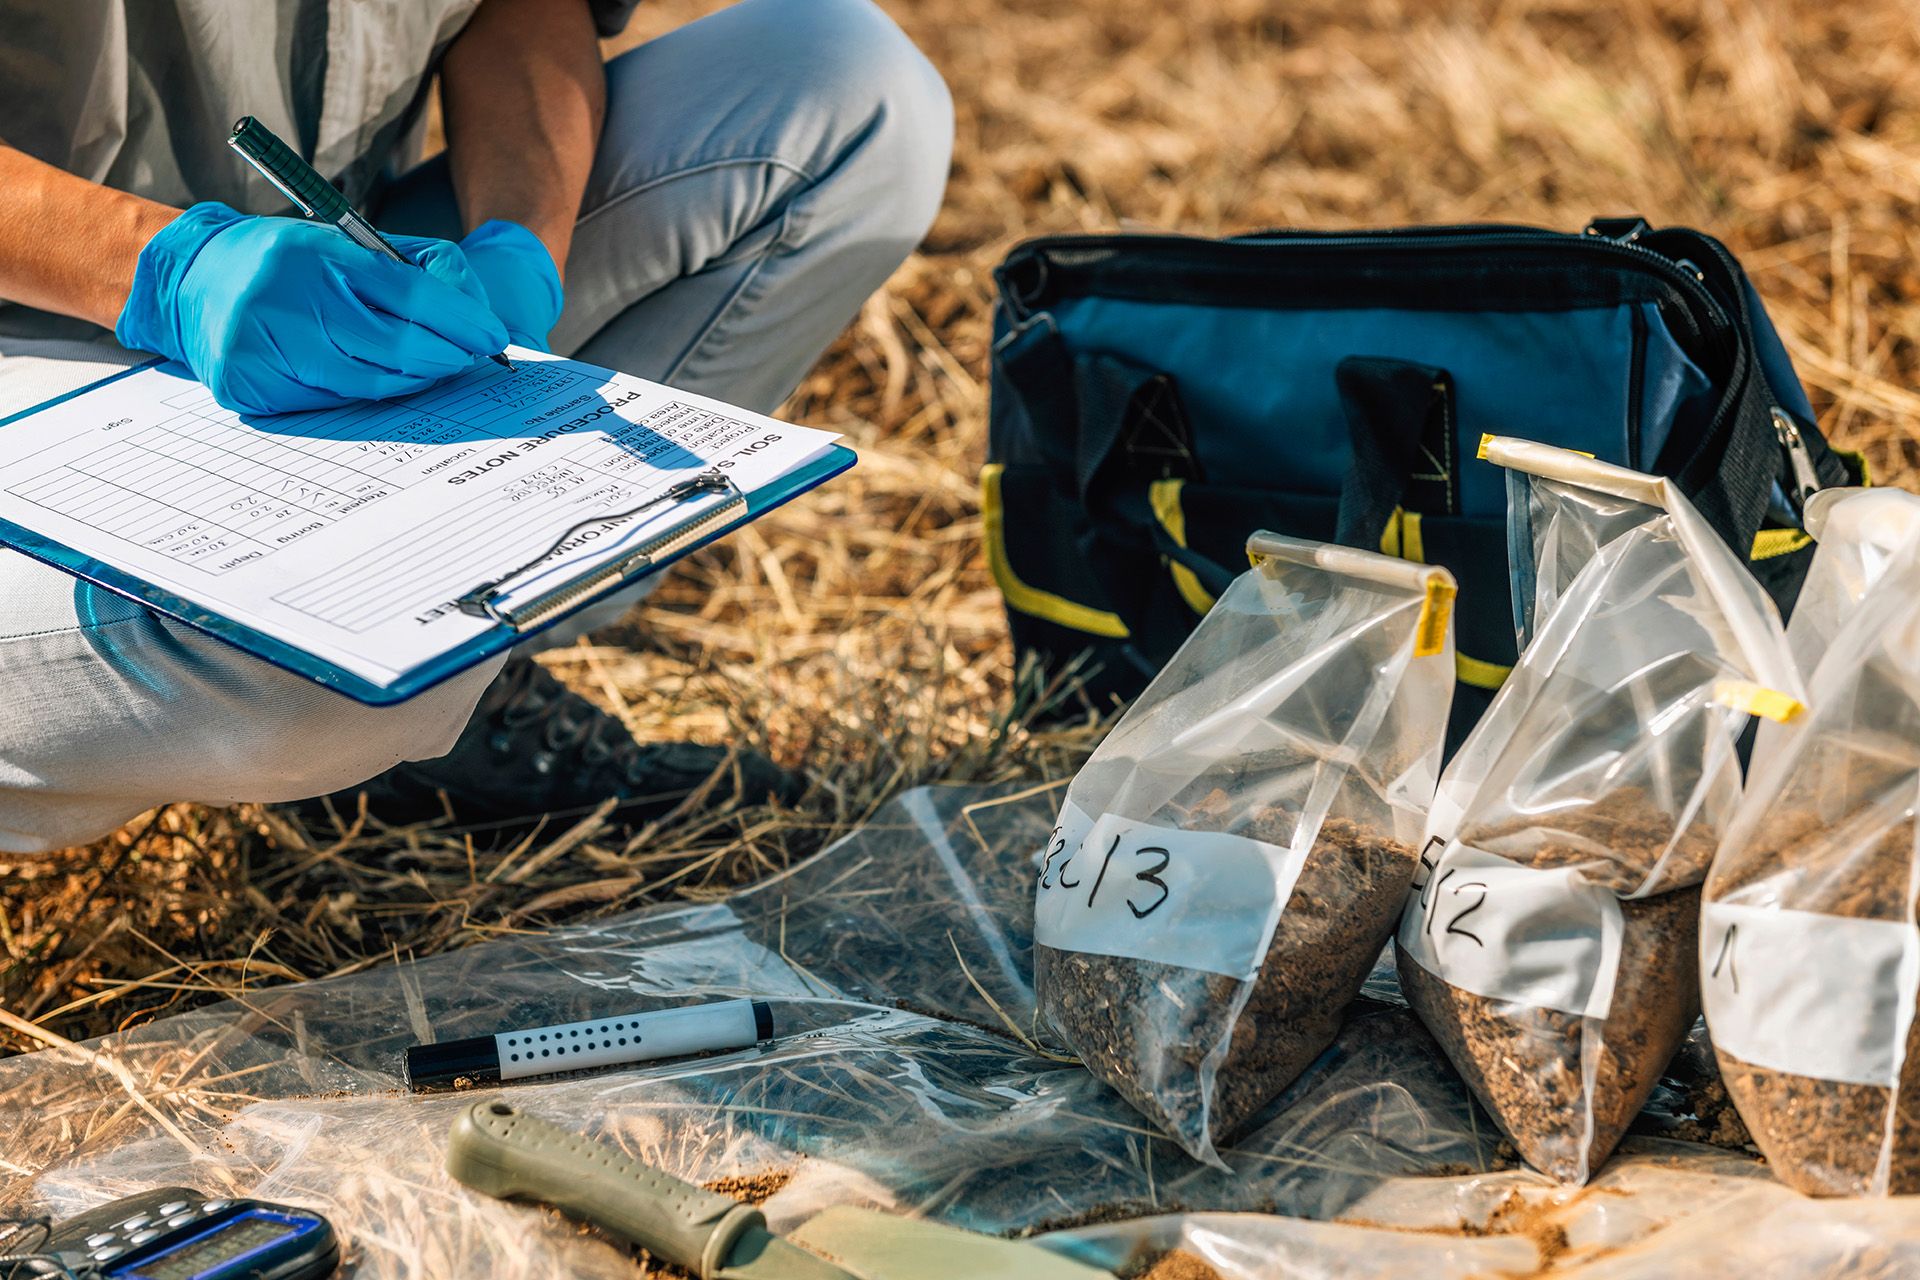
point(1550, 947)
point(1556, 526)
point(1230, 861)
point(1861, 532)
point(1809, 950)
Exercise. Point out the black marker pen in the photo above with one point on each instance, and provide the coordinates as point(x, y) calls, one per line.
point(575, 1046)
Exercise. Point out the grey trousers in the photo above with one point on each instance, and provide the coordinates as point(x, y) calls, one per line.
point(761, 172)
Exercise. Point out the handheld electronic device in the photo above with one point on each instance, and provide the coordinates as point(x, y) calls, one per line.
point(173, 1233)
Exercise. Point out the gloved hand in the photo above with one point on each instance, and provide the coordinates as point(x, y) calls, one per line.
point(278, 314)
point(523, 285)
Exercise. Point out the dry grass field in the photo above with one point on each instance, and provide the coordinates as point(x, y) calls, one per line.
point(857, 633)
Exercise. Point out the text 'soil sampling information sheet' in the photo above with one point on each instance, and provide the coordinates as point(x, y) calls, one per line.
point(350, 532)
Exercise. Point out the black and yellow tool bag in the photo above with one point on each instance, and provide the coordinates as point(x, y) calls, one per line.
point(1157, 398)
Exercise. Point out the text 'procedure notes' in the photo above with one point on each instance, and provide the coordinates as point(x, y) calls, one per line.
point(349, 532)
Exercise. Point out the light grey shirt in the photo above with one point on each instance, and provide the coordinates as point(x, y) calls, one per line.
point(141, 94)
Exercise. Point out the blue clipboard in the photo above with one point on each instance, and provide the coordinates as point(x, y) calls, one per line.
point(291, 658)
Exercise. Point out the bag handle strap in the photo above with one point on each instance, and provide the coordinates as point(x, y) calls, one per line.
point(1731, 475)
point(1400, 422)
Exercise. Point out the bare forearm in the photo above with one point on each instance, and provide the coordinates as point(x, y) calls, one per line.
point(524, 92)
point(69, 245)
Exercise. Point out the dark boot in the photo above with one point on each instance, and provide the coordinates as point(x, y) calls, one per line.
point(535, 747)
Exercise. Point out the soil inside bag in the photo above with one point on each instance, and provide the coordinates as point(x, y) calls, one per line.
point(1331, 929)
point(1538, 1070)
point(1828, 1137)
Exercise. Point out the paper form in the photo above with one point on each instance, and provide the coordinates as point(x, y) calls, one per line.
point(350, 532)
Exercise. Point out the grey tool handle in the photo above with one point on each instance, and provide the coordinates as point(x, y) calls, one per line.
point(507, 1153)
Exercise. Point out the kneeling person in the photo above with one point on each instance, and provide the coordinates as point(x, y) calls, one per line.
point(708, 210)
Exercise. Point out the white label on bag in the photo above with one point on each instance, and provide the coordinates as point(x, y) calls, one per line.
point(1203, 900)
point(1830, 997)
point(1486, 924)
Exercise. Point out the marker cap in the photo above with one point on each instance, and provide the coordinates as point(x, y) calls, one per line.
point(453, 1064)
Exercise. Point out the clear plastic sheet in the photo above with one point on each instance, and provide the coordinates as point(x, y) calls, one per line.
point(1656, 1212)
point(935, 1108)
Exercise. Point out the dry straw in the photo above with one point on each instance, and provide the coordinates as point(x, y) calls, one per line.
point(857, 633)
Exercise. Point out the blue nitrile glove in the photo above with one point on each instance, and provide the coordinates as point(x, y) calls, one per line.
point(278, 314)
point(523, 286)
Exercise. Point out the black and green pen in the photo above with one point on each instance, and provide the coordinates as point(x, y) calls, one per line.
point(311, 194)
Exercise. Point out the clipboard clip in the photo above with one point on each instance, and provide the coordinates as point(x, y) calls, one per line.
point(483, 600)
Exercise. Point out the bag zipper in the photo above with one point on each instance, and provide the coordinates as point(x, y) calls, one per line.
point(1806, 479)
point(1691, 285)
point(1683, 275)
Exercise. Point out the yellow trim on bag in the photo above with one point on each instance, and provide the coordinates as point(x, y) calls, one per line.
point(1481, 675)
point(1402, 538)
point(1413, 544)
point(1756, 700)
point(1027, 599)
point(1430, 631)
point(1164, 497)
point(1769, 543)
point(1859, 461)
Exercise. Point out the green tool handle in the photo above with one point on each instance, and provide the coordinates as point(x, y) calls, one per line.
point(506, 1153)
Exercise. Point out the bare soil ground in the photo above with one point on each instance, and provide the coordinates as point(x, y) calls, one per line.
point(857, 634)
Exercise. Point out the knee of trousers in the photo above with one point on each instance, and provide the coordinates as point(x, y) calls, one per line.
point(839, 92)
point(115, 716)
point(899, 157)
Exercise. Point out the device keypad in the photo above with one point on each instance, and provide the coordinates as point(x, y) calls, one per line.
point(142, 1228)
